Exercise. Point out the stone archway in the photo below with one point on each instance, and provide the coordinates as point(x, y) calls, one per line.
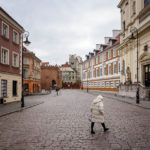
point(53, 84)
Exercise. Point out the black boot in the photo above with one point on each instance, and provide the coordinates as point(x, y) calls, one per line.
point(92, 126)
point(105, 129)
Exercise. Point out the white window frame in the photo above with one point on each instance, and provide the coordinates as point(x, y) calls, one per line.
point(114, 52)
point(17, 40)
point(109, 69)
point(90, 73)
point(115, 84)
point(118, 52)
point(27, 61)
point(101, 57)
point(104, 70)
point(101, 71)
point(96, 72)
point(17, 61)
point(114, 69)
point(105, 56)
point(2, 61)
point(109, 54)
point(7, 32)
point(97, 60)
point(119, 67)
point(25, 75)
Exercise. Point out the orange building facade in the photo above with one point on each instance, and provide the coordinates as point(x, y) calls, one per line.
point(31, 72)
point(101, 69)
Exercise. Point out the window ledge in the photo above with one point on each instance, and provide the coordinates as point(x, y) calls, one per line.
point(16, 67)
point(4, 64)
point(15, 96)
point(5, 38)
point(17, 44)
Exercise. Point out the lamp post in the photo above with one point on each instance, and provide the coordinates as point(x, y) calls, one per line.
point(26, 42)
point(132, 37)
point(87, 80)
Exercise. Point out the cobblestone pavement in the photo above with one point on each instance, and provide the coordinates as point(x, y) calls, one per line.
point(61, 123)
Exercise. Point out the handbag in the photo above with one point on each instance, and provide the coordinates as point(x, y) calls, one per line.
point(90, 118)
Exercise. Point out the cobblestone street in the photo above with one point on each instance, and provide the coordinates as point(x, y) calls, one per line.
point(61, 123)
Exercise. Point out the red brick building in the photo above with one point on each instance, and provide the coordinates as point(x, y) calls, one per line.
point(10, 58)
point(50, 76)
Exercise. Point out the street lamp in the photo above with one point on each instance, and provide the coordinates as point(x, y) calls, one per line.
point(25, 36)
point(132, 37)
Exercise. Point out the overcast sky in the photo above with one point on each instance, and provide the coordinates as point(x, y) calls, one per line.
point(59, 28)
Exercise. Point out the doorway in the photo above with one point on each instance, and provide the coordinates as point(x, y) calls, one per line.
point(147, 75)
point(53, 84)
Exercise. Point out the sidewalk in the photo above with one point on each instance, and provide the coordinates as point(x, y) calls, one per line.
point(143, 103)
point(9, 108)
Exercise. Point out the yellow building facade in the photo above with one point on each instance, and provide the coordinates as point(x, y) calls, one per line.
point(135, 54)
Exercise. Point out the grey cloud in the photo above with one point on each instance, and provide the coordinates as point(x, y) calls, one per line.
point(62, 27)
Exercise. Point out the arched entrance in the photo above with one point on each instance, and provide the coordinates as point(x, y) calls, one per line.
point(53, 84)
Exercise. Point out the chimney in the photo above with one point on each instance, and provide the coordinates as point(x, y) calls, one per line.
point(107, 40)
point(115, 33)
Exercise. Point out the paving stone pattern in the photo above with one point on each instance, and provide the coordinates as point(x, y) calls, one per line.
point(61, 123)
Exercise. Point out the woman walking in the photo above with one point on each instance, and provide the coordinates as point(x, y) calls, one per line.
point(97, 110)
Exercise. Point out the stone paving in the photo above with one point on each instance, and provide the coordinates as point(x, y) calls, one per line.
point(9, 108)
point(61, 123)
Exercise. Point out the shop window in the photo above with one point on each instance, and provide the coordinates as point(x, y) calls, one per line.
point(4, 88)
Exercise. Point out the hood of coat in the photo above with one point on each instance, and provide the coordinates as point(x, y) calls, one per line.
point(98, 99)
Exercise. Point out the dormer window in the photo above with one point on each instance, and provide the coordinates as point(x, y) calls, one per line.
point(5, 30)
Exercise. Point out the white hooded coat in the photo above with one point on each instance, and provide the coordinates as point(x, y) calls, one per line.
point(97, 109)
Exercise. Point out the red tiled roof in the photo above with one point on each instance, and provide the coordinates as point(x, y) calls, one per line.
point(66, 65)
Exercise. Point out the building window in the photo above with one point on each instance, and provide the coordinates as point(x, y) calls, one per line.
point(4, 88)
point(109, 69)
point(109, 54)
point(96, 72)
point(96, 60)
point(115, 68)
point(100, 58)
point(134, 7)
point(118, 52)
point(25, 73)
point(14, 88)
point(114, 52)
point(118, 67)
point(93, 73)
point(101, 71)
point(15, 60)
point(26, 61)
point(90, 74)
point(124, 25)
point(105, 70)
point(15, 37)
point(104, 56)
point(5, 30)
point(26, 87)
point(115, 84)
point(146, 2)
point(5, 56)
